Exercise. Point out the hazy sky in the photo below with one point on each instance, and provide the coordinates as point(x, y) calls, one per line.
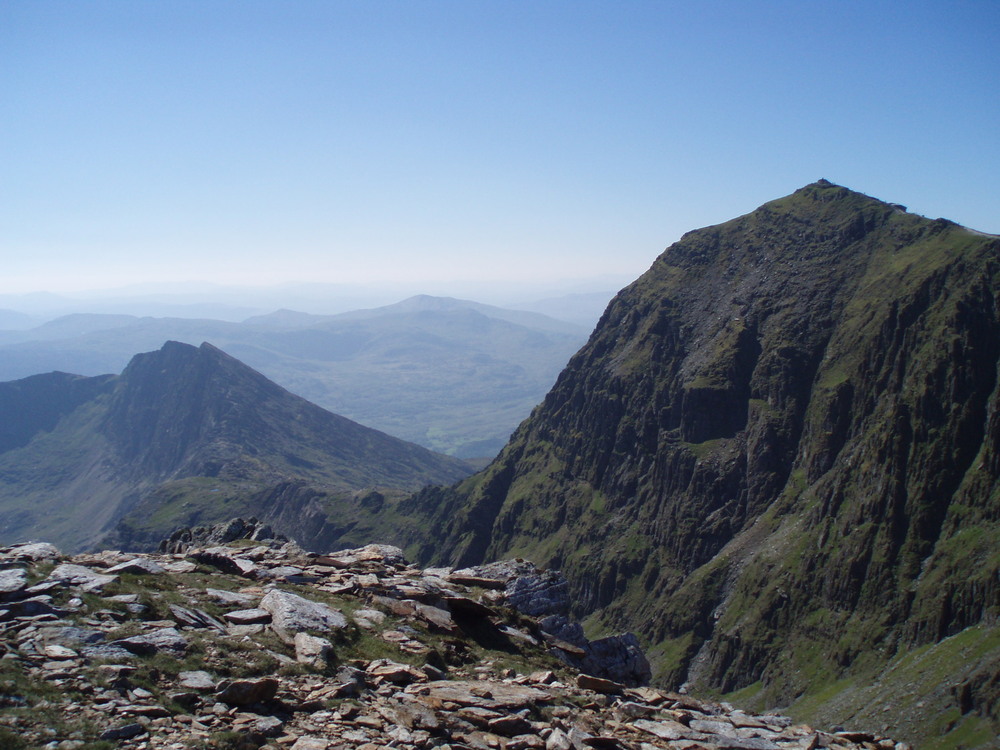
point(263, 142)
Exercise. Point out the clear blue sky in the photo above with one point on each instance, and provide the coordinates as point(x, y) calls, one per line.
point(262, 142)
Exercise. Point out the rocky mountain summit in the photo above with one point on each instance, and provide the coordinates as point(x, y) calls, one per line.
point(777, 459)
point(256, 643)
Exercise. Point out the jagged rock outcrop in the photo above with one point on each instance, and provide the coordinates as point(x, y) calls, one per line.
point(221, 533)
point(544, 594)
point(127, 664)
point(776, 460)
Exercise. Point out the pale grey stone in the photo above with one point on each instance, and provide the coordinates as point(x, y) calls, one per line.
point(313, 651)
point(138, 566)
point(292, 614)
point(13, 580)
point(196, 680)
point(79, 576)
point(248, 616)
point(164, 639)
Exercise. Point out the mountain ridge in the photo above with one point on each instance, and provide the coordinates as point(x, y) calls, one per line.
point(185, 429)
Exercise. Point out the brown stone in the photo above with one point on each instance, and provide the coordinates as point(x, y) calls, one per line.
point(599, 685)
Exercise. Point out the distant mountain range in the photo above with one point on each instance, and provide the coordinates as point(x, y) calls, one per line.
point(452, 375)
point(578, 302)
point(185, 435)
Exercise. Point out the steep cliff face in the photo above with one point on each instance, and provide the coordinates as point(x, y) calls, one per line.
point(776, 456)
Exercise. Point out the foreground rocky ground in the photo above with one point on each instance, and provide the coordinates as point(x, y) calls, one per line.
point(253, 644)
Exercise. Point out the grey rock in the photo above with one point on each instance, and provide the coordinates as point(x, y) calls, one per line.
point(164, 639)
point(56, 652)
point(226, 560)
point(81, 577)
point(13, 580)
point(195, 618)
point(313, 651)
point(138, 566)
point(33, 551)
point(382, 553)
point(543, 593)
point(599, 684)
point(106, 652)
point(196, 680)
point(350, 681)
point(284, 573)
point(618, 657)
point(70, 636)
point(126, 732)
point(32, 607)
point(311, 743)
point(248, 616)
point(268, 726)
point(528, 589)
point(291, 614)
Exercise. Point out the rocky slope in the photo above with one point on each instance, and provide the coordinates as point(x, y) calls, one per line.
point(185, 434)
point(257, 644)
point(777, 460)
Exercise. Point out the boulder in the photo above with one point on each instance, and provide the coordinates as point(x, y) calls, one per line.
point(80, 577)
point(291, 614)
point(13, 581)
point(313, 651)
point(196, 680)
point(31, 551)
point(247, 692)
point(163, 639)
point(138, 566)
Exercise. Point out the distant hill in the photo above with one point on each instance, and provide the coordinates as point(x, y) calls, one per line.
point(452, 375)
point(778, 460)
point(184, 435)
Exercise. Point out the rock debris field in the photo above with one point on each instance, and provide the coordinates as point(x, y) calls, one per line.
point(259, 644)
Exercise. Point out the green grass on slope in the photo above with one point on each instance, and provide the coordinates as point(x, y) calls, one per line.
point(909, 686)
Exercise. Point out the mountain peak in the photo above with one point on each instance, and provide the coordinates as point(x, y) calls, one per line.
point(184, 417)
point(773, 455)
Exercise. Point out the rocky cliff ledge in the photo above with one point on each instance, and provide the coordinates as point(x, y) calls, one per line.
point(259, 644)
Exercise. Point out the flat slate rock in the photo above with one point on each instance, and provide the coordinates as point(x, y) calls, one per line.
point(485, 693)
point(164, 639)
point(31, 551)
point(13, 580)
point(138, 566)
point(106, 652)
point(196, 680)
point(248, 616)
point(291, 613)
point(80, 576)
